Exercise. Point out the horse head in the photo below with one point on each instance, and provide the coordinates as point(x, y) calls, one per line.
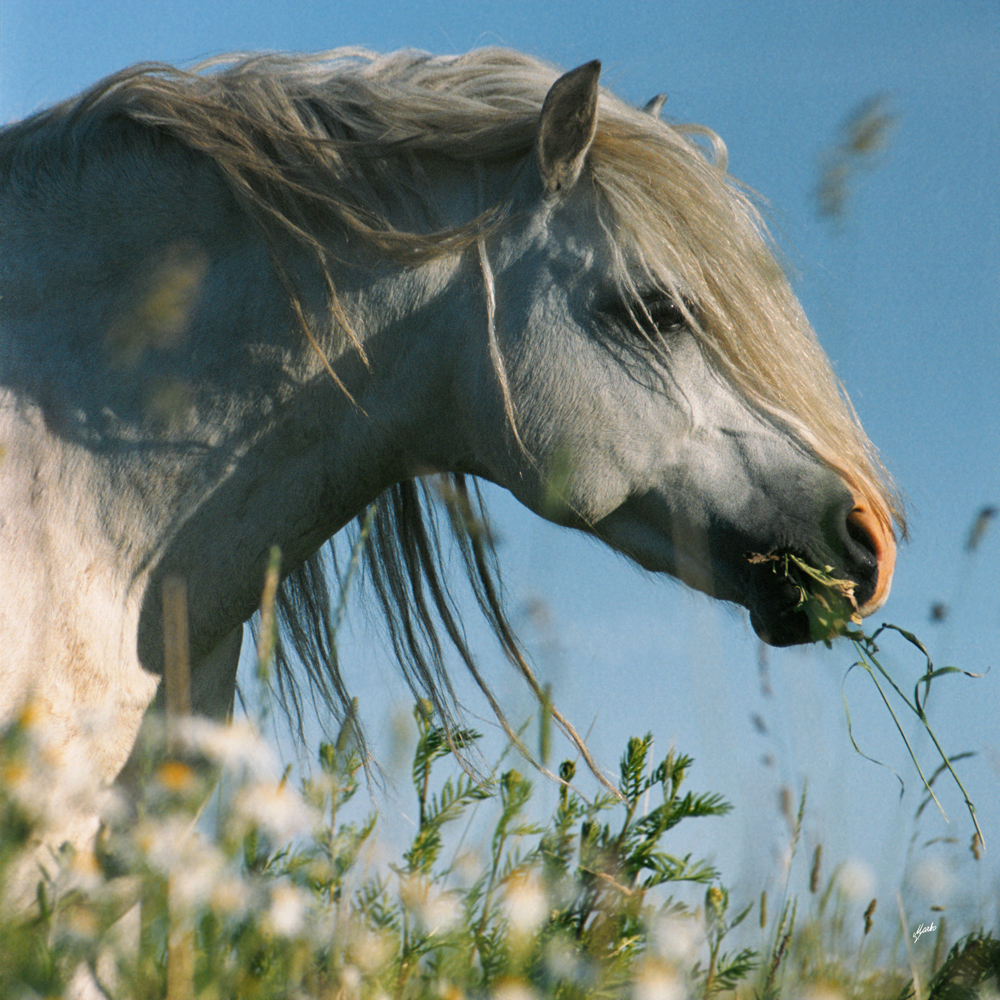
point(659, 384)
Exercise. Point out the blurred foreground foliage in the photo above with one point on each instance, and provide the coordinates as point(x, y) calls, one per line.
point(284, 898)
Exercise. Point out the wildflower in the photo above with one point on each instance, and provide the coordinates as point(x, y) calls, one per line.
point(856, 880)
point(230, 895)
point(658, 982)
point(716, 900)
point(177, 776)
point(933, 878)
point(351, 980)
point(286, 915)
point(194, 883)
point(370, 950)
point(513, 989)
point(233, 746)
point(675, 940)
point(526, 903)
point(165, 842)
point(438, 911)
point(276, 810)
point(195, 866)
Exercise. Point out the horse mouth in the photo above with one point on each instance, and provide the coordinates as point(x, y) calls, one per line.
point(792, 603)
point(787, 626)
point(776, 612)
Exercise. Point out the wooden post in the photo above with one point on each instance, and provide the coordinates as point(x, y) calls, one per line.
point(176, 656)
point(177, 684)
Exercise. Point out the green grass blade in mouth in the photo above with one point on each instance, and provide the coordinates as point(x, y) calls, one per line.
point(827, 600)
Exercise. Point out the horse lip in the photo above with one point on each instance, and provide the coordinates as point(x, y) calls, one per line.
point(773, 603)
point(786, 627)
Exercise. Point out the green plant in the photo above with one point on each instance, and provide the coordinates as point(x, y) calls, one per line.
point(273, 900)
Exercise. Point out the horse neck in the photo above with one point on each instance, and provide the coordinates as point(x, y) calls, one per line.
point(151, 331)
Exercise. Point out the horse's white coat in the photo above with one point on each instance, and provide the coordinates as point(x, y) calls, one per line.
point(162, 414)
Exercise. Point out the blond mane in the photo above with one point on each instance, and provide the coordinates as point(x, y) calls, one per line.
point(318, 137)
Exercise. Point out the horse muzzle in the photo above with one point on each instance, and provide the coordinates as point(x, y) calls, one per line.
point(865, 554)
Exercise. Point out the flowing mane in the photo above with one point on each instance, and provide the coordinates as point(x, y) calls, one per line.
point(306, 143)
point(306, 139)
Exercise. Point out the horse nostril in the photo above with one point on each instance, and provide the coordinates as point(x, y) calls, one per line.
point(859, 534)
point(860, 554)
point(871, 548)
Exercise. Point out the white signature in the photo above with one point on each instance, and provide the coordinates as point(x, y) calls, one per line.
point(922, 929)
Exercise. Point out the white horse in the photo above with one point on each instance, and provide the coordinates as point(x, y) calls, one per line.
point(240, 305)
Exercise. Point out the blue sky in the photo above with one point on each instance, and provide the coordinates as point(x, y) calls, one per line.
point(905, 295)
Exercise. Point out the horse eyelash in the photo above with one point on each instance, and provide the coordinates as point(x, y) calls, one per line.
point(666, 313)
point(654, 313)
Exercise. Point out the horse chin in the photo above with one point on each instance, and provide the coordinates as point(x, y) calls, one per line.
point(782, 627)
point(774, 610)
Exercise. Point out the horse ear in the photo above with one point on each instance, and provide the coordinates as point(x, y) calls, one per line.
point(655, 105)
point(567, 126)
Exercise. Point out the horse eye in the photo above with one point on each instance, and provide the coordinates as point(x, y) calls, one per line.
point(655, 315)
point(666, 315)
